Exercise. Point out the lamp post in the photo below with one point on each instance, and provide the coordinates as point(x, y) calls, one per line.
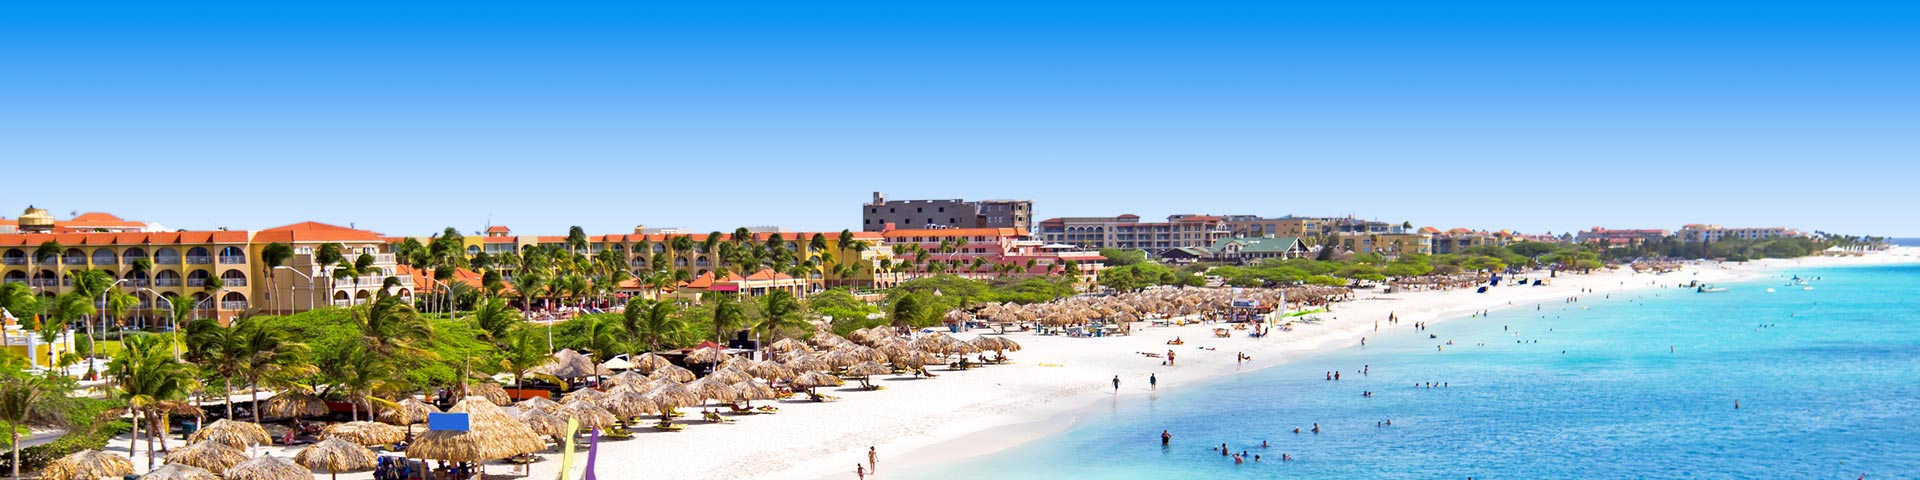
point(175, 326)
point(449, 295)
point(302, 275)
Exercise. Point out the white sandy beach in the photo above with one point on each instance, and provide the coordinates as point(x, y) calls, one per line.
point(1055, 380)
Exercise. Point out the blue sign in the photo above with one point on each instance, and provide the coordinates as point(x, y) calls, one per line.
point(451, 422)
point(1246, 303)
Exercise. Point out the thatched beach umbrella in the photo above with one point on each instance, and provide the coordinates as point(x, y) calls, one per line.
point(493, 392)
point(293, 402)
point(179, 471)
point(87, 465)
point(709, 355)
point(669, 396)
point(583, 395)
point(589, 414)
point(491, 435)
point(627, 402)
point(749, 391)
point(335, 455)
point(812, 362)
point(866, 370)
point(569, 364)
point(365, 433)
point(731, 374)
point(626, 377)
point(788, 346)
point(770, 371)
point(407, 411)
point(616, 364)
point(544, 422)
point(673, 372)
point(537, 403)
point(215, 457)
point(648, 362)
point(810, 380)
point(713, 389)
point(268, 468)
point(232, 433)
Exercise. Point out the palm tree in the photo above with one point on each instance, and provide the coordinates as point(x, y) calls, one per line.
point(779, 310)
point(32, 401)
point(119, 304)
point(90, 284)
point(152, 382)
point(267, 354)
point(526, 283)
point(215, 348)
point(658, 322)
point(67, 308)
point(390, 327)
point(493, 316)
point(361, 373)
point(327, 256)
point(727, 313)
point(272, 257)
point(600, 335)
point(523, 351)
point(19, 301)
point(48, 251)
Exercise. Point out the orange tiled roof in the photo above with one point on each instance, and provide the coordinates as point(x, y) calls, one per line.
point(498, 229)
point(315, 232)
point(125, 238)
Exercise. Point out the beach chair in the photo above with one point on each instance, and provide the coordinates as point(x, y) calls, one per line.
point(1222, 333)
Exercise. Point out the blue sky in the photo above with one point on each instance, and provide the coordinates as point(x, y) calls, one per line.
point(404, 117)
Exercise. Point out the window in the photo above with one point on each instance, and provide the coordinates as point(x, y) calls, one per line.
point(952, 220)
point(943, 209)
point(918, 210)
point(873, 210)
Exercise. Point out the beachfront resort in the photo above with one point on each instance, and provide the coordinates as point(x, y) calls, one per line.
point(315, 350)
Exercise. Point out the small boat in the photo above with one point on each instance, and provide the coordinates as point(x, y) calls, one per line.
point(1809, 287)
point(1769, 290)
point(1709, 289)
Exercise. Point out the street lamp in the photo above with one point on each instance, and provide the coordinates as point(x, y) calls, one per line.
point(174, 324)
point(310, 286)
point(449, 295)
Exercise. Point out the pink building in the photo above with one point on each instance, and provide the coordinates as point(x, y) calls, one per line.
point(988, 252)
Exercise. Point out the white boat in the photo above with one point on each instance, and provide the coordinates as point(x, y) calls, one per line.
point(1769, 290)
point(1809, 287)
point(1709, 289)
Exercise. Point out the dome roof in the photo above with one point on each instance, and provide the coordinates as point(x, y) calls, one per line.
point(36, 219)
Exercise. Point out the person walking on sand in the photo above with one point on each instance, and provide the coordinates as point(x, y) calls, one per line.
point(1116, 384)
point(873, 460)
point(1169, 357)
point(860, 470)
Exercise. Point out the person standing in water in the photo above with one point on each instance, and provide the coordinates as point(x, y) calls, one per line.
point(1116, 384)
point(1166, 437)
point(1153, 381)
point(873, 460)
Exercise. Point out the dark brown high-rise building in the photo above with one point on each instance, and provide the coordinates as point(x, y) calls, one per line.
point(954, 213)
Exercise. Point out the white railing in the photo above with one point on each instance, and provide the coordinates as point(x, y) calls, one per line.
point(199, 260)
point(137, 282)
point(343, 303)
point(166, 260)
point(196, 282)
point(16, 280)
point(166, 282)
point(74, 261)
point(240, 305)
point(235, 282)
point(230, 259)
point(13, 261)
point(371, 281)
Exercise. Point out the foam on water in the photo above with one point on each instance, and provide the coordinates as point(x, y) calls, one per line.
point(1828, 382)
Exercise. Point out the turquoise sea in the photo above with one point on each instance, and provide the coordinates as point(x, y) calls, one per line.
point(1827, 380)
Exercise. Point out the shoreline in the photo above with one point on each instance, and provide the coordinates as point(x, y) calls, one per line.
point(986, 436)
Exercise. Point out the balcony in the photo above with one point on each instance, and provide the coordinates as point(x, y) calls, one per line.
point(166, 282)
point(235, 282)
point(240, 305)
point(14, 261)
point(199, 260)
point(137, 282)
point(166, 260)
point(226, 259)
point(74, 261)
point(16, 280)
point(370, 281)
point(343, 303)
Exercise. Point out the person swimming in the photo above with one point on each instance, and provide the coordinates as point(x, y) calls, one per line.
point(1316, 425)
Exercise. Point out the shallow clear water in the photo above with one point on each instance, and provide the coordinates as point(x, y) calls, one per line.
point(1830, 390)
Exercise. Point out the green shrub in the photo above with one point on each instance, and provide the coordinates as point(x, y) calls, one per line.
point(87, 434)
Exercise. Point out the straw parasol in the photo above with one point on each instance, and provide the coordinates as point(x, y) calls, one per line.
point(712, 388)
point(788, 346)
point(336, 454)
point(648, 362)
point(731, 374)
point(544, 422)
point(491, 435)
point(215, 457)
point(232, 433)
point(588, 414)
point(583, 395)
point(706, 355)
point(866, 370)
point(293, 403)
point(178, 471)
point(493, 392)
point(626, 377)
point(673, 372)
point(87, 465)
point(268, 468)
point(668, 396)
point(770, 371)
point(810, 380)
point(365, 433)
point(568, 363)
point(750, 390)
point(537, 403)
point(625, 402)
point(407, 411)
point(807, 363)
